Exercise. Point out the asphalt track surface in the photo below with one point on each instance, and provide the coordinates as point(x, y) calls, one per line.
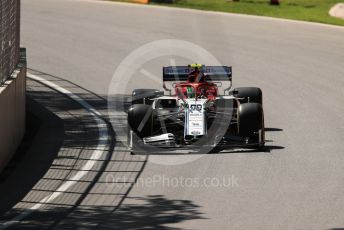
point(297, 183)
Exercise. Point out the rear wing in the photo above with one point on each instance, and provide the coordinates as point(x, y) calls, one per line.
point(212, 73)
point(220, 75)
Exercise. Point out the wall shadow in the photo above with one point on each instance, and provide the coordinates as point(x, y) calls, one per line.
point(153, 212)
point(31, 156)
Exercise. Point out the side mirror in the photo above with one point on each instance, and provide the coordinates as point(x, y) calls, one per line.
point(159, 93)
point(235, 92)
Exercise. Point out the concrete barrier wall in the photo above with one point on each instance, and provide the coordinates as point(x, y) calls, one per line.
point(12, 111)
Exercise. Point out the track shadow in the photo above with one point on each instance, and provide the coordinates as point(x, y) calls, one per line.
point(273, 130)
point(121, 103)
point(31, 155)
point(267, 148)
point(153, 212)
point(90, 203)
point(55, 167)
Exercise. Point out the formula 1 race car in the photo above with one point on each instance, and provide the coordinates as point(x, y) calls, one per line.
point(196, 109)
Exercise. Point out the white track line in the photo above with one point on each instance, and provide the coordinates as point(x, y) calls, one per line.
point(96, 155)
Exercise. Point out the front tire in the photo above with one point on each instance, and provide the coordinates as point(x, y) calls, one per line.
point(140, 119)
point(251, 122)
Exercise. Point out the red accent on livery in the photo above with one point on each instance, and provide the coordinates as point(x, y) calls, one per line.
point(196, 86)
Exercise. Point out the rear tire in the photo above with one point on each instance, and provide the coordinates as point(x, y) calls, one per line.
point(143, 96)
point(249, 95)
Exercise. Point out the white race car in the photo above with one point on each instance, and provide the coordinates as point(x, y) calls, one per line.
point(197, 109)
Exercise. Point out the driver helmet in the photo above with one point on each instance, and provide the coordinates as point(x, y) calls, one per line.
point(196, 75)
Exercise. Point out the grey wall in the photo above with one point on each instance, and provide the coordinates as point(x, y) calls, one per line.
point(9, 37)
point(12, 111)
